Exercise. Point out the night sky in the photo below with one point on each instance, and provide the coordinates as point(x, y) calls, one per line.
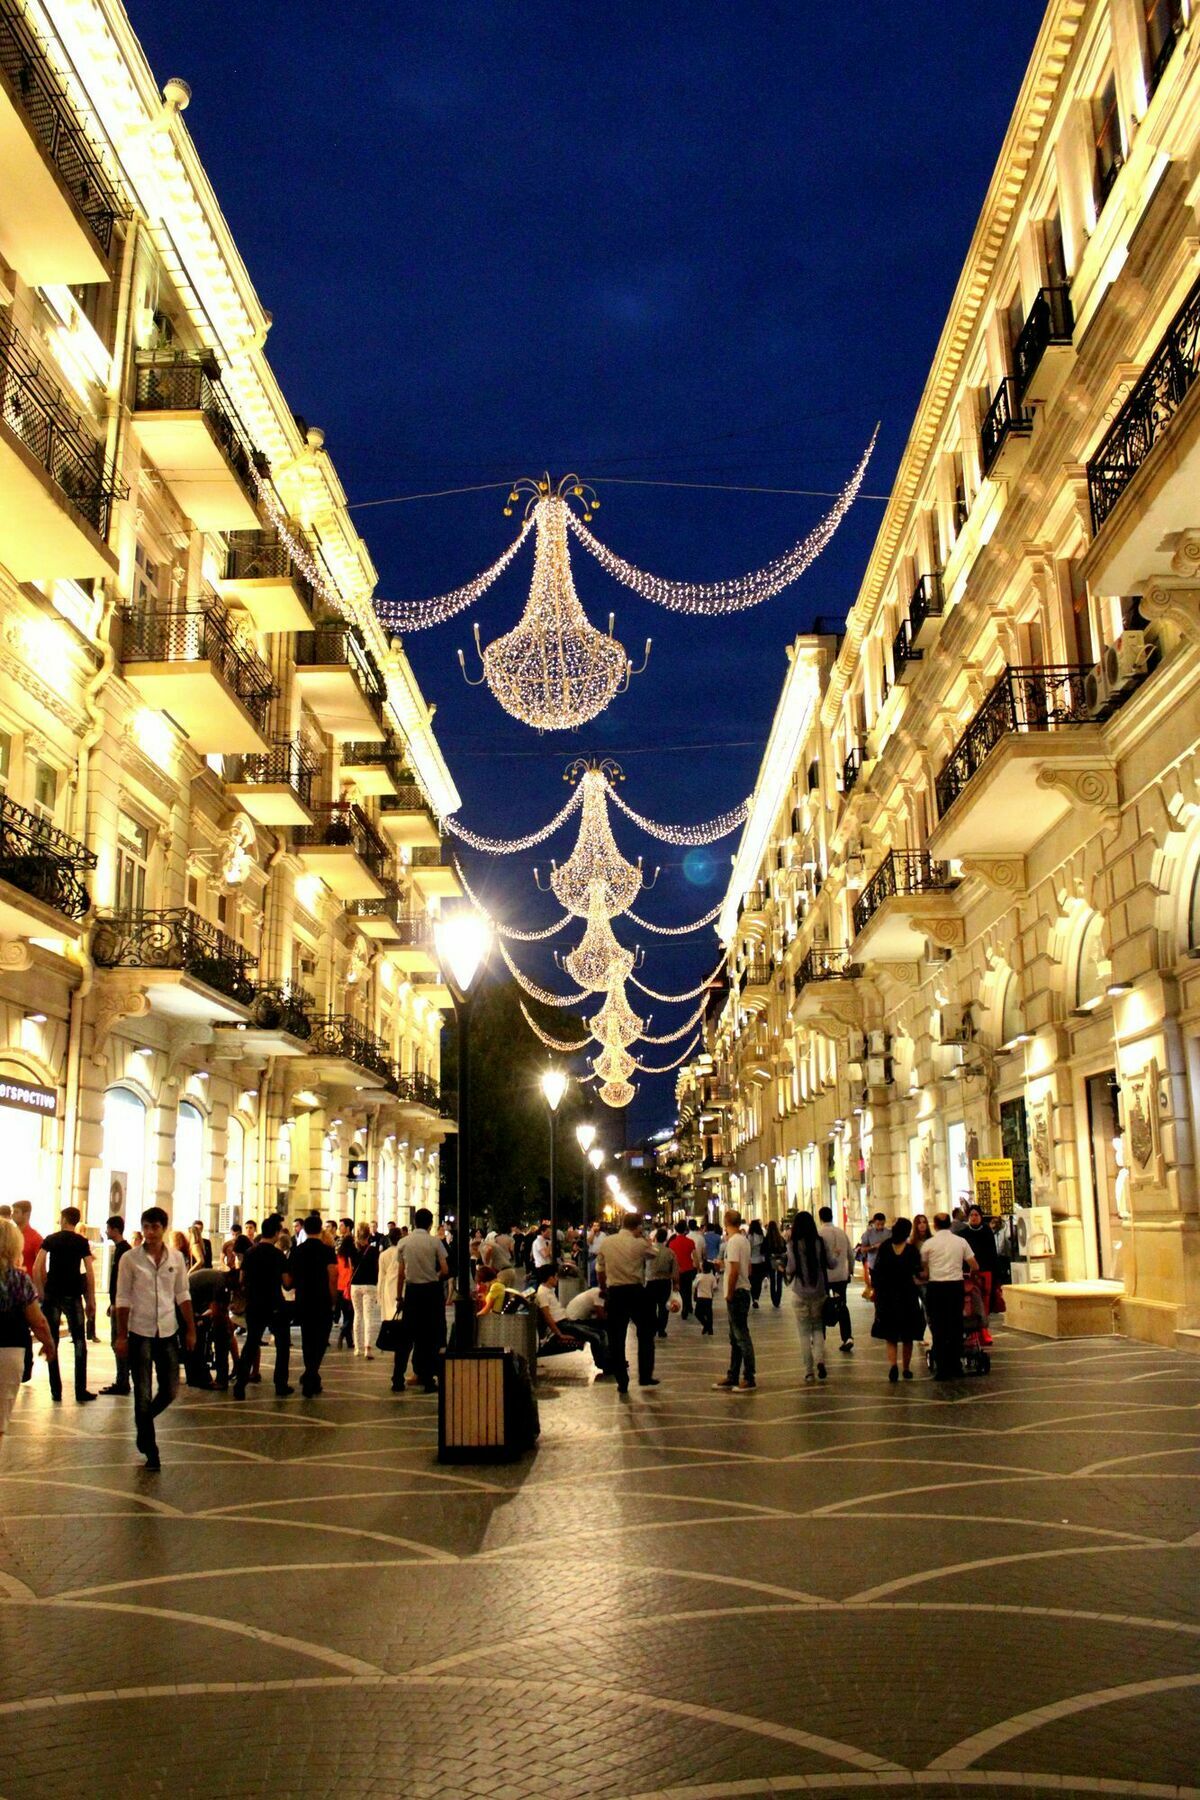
point(680, 243)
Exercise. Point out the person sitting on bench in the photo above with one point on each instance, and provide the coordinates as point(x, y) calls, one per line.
point(563, 1333)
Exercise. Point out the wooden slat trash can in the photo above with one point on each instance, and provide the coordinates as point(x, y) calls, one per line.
point(486, 1407)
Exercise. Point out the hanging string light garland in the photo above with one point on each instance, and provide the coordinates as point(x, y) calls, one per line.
point(539, 993)
point(507, 846)
point(703, 988)
point(742, 591)
point(508, 931)
point(677, 930)
point(418, 615)
point(673, 1037)
point(552, 1043)
point(646, 1069)
point(707, 833)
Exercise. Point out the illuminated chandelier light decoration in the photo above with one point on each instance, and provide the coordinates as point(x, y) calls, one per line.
point(507, 846)
point(598, 959)
point(417, 615)
point(713, 597)
point(616, 1022)
point(673, 1037)
point(595, 858)
point(613, 1064)
point(554, 671)
point(616, 1093)
point(540, 993)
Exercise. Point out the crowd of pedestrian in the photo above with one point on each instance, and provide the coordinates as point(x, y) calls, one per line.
point(172, 1302)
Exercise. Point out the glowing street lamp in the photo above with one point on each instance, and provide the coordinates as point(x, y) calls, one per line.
point(554, 1086)
point(461, 940)
point(585, 1133)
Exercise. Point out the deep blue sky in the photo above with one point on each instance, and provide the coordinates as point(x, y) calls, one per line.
point(680, 242)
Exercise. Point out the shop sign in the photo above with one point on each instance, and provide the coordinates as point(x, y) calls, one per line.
point(358, 1171)
point(27, 1098)
point(994, 1193)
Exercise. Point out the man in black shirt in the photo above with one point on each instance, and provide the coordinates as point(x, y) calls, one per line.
point(312, 1271)
point(263, 1270)
point(65, 1276)
point(210, 1291)
point(115, 1233)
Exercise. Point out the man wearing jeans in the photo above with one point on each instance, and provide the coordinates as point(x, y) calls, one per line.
point(740, 1378)
point(65, 1277)
point(151, 1282)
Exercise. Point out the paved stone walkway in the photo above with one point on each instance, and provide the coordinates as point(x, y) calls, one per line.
point(683, 1595)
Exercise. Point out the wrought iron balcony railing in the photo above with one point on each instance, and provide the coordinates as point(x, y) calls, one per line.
point(756, 974)
point(199, 631)
point(343, 1037)
point(1161, 389)
point(175, 381)
point(824, 965)
point(281, 1006)
point(1038, 698)
point(264, 556)
point(421, 1090)
point(286, 764)
point(1005, 418)
point(1050, 321)
point(900, 872)
point(851, 770)
point(56, 125)
point(343, 823)
point(43, 861)
point(411, 931)
point(434, 856)
point(334, 643)
point(904, 651)
point(925, 602)
point(389, 755)
point(36, 410)
point(175, 937)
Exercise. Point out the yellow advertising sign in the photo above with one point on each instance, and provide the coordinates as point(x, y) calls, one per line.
point(993, 1176)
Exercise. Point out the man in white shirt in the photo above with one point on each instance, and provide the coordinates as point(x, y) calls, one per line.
point(152, 1282)
point(621, 1258)
point(945, 1258)
point(571, 1333)
point(422, 1265)
point(837, 1274)
point(542, 1257)
point(736, 1260)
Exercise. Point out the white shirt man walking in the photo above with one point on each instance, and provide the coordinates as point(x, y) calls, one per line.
point(736, 1259)
point(837, 1274)
point(151, 1282)
point(621, 1259)
point(945, 1258)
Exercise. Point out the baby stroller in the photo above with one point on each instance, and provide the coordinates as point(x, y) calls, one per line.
point(976, 1358)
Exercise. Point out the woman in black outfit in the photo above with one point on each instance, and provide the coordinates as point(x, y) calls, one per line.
point(775, 1248)
point(982, 1239)
point(898, 1315)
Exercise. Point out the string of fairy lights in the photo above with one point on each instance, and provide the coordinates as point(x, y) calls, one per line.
point(597, 884)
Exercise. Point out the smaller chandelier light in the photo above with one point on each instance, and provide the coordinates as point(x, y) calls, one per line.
point(598, 959)
point(616, 1022)
point(595, 857)
point(618, 1093)
point(613, 1064)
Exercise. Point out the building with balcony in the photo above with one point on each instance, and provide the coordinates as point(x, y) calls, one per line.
point(217, 986)
point(973, 853)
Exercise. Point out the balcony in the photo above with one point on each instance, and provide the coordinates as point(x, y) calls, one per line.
point(906, 901)
point(1145, 474)
point(344, 849)
point(433, 989)
point(275, 787)
point(407, 935)
point(340, 683)
point(999, 792)
point(42, 871)
point(757, 985)
point(60, 208)
point(186, 660)
point(186, 424)
point(905, 654)
point(1043, 352)
point(376, 768)
point(405, 817)
point(280, 1024)
point(264, 578)
point(926, 607)
point(434, 874)
point(348, 1054)
point(56, 488)
point(851, 770)
point(1005, 432)
point(194, 970)
point(824, 986)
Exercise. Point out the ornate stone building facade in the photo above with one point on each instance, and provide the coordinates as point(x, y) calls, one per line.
point(964, 919)
point(220, 791)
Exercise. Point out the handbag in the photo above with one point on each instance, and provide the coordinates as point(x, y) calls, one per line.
point(389, 1333)
point(831, 1310)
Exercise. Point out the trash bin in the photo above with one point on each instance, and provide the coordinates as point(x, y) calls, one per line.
point(487, 1411)
point(510, 1331)
point(568, 1287)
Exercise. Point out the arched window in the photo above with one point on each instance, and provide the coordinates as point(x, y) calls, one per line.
point(189, 1167)
point(1193, 918)
point(1091, 966)
point(123, 1152)
point(1012, 1012)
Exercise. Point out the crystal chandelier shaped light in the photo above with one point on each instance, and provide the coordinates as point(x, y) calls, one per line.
point(616, 1093)
point(598, 959)
point(554, 670)
point(595, 862)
